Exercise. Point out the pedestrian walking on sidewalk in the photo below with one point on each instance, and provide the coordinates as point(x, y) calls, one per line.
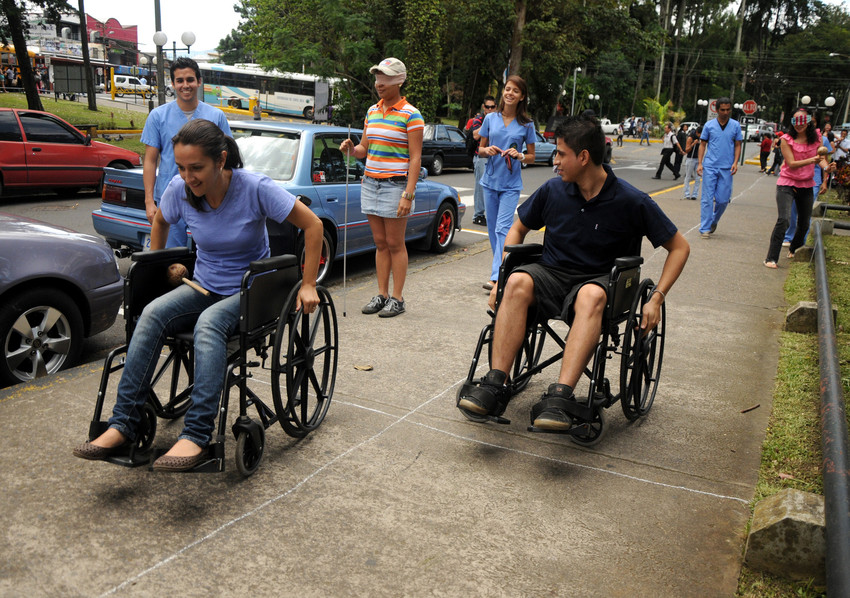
point(392, 146)
point(719, 151)
point(502, 136)
point(669, 145)
point(796, 180)
point(764, 150)
point(691, 160)
point(776, 165)
point(479, 162)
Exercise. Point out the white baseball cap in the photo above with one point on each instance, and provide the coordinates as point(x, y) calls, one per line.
point(390, 66)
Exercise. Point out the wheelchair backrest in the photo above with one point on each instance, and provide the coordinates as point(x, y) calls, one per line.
point(622, 286)
point(147, 279)
point(266, 288)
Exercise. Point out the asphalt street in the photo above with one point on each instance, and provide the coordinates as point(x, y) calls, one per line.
point(398, 494)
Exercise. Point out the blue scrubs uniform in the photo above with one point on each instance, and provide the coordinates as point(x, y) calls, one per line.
point(717, 170)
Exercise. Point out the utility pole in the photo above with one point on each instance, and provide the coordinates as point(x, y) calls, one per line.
point(160, 76)
point(84, 38)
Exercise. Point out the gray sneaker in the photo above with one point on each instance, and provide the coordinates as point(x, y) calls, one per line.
point(375, 305)
point(393, 307)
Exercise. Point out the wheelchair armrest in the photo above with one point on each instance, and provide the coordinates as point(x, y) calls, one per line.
point(173, 254)
point(625, 263)
point(275, 262)
point(525, 249)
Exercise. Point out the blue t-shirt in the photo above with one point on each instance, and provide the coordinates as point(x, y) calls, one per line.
point(585, 237)
point(497, 175)
point(234, 234)
point(720, 152)
point(165, 122)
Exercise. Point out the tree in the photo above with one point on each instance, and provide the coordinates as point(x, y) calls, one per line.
point(14, 25)
point(232, 48)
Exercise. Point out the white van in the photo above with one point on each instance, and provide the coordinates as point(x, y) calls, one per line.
point(131, 85)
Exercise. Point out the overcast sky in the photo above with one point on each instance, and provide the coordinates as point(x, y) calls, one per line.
point(209, 20)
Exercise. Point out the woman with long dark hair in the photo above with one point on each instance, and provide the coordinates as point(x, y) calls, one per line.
point(502, 134)
point(226, 208)
point(796, 180)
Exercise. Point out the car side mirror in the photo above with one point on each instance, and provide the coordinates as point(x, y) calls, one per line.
point(305, 200)
point(423, 173)
point(88, 139)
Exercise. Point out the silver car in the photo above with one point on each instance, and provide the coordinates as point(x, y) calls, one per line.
point(57, 287)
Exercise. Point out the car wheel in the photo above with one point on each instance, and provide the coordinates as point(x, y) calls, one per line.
point(308, 113)
point(443, 229)
point(552, 159)
point(42, 333)
point(118, 94)
point(436, 166)
point(326, 260)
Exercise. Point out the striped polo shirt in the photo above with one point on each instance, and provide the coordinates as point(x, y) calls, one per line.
point(387, 154)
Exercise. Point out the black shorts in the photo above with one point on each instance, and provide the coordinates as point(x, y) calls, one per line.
point(555, 289)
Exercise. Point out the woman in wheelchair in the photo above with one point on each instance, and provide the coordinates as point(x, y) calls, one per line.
point(591, 218)
point(226, 210)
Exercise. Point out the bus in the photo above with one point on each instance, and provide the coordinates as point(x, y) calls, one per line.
point(293, 94)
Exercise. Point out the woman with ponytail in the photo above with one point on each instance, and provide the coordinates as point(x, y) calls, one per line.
point(226, 208)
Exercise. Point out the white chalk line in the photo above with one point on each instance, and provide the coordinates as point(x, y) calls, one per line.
point(556, 460)
point(273, 500)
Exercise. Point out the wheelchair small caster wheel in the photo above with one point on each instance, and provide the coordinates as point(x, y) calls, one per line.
point(248, 452)
point(591, 432)
point(147, 429)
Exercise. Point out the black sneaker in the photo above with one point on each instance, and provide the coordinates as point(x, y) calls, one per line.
point(713, 228)
point(393, 307)
point(550, 412)
point(490, 397)
point(375, 305)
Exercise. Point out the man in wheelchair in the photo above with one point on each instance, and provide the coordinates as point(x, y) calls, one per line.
point(591, 218)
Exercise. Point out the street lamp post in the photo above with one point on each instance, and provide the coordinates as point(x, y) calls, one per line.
point(594, 98)
point(160, 39)
point(576, 71)
point(847, 93)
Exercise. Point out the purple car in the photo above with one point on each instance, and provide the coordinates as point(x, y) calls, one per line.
point(57, 287)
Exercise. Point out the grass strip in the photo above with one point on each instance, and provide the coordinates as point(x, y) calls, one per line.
point(791, 453)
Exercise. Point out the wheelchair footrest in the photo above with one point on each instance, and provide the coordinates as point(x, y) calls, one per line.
point(580, 429)
point(212, 463)
point(130, 459)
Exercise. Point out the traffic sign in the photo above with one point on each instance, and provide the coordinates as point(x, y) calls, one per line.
point(750, 107)
point(748, 120)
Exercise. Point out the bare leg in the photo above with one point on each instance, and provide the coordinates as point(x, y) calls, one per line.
point(584, 333)
point(511, 320)
point(394, 235)
point(382, 253)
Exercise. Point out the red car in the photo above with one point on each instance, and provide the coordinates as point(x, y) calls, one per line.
point(40, 150)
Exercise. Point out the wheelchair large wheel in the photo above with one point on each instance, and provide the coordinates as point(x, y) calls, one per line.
point(640, 364)
point(248, 454)
point(304, 362)
point(595, 429)
point(526, 358)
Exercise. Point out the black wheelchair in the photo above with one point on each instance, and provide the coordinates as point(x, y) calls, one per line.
point(640, 354)
point(302, 363)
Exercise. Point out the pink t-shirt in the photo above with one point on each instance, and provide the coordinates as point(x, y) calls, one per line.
point(805, 175)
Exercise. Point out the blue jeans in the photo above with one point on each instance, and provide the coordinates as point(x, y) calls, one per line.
point(785, 196)
point(501, 206)
point(214, 319)
point(691, 175)
point(792, 226)
point(479, 164)
point(716, 194)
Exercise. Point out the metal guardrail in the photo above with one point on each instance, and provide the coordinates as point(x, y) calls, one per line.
point(836, 469)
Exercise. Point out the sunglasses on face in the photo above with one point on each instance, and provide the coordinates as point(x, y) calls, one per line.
point(490, 106)
point(802, 119)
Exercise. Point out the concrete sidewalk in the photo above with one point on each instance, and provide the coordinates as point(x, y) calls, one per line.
point(397, 494)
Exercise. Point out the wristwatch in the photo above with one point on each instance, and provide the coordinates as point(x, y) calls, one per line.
point(407, 196)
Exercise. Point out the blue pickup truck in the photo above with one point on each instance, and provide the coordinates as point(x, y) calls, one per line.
point(304, 159)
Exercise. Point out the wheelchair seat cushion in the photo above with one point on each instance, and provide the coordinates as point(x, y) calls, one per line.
point(490, 397)
point(555, 410)
point(555, 289)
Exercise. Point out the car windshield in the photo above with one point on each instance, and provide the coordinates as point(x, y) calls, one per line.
point(271, 153)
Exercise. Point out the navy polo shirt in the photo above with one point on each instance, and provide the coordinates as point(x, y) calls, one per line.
point(587, 236)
